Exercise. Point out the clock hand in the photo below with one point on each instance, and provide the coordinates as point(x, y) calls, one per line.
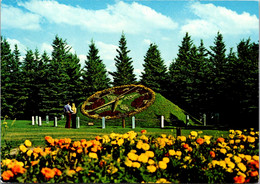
point(103, 105)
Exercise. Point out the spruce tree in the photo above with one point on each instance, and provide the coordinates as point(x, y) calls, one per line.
point(124, 73)
point(155, 71)
point(218, 84)
point(95, 76)
point(10, 81)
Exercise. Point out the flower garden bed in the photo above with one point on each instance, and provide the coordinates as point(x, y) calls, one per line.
point(134, 158)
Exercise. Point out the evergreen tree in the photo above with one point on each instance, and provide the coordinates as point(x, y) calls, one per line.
point(180, 73)
point(10, 80)
point(218, 84)
point(95, 76)
point(124, 73)
point(58, 78)
point(155, 72)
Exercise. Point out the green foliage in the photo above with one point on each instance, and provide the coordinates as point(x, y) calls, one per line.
point(155, 72)
point(95, 77)
point(124, 73)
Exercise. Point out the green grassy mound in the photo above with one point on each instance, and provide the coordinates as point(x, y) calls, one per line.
point(151, 117)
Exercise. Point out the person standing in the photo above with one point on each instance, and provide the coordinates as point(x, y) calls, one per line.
point(73, 115)
point(68, 111)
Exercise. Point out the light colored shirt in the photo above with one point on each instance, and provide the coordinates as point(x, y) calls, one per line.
point(67, 108)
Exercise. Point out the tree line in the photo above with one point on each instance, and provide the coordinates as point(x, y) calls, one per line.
point(199, 80)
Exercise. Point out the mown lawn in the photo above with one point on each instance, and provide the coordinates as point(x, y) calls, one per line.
point(21, 130)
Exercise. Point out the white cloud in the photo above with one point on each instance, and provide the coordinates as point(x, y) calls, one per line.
point(131, 18)
point(46, 47)
point(82, 59)
point(216, 18)
point(16, 18)
point(106, 51)
point(22, 48)
point(147, 41)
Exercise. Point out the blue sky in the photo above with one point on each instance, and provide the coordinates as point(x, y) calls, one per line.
point(33, 24)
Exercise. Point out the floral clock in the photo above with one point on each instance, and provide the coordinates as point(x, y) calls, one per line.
point(118, 102)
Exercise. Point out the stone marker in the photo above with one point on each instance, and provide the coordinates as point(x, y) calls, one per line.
point(103, 123)
point(162, 121)
point(55, 122)
point(78, 123)
point(133, 122)
point(40, 121)
point(32, 120)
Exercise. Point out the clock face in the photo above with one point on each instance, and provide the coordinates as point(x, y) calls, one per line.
point(118, 102)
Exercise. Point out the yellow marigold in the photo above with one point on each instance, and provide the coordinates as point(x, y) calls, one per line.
point(145, 146)
point(128, 162)
point(150, 154)
point(223, 150)
point(193, 133)
point(76, 144)
point(248, 157)
point(162, 180)
point(6, 162)
point(186, 158)
point(139, 144)
point(120, 142)
point(237, 159)
point(33, 163)
point(241, 174)
point(171, 152)
point(229, 155)
point(252, 133)
point(27, 143)
point(132, 156)
point(238, 132)
point(237, 141)
point(241, 166)
point(151, 168)
point(178, 153)
point(162, 165)
point(151, 162)
point(71, 172)
point(22, 148)
point(163, 135)
point(92, 155)
point(143, 158)
point(250, 139)
point(231, 165)
point(230, 170)
point(231, 131)
point(136, 164)
point(222, 163)
point(214, 162)
point(166, 160)
point(231, 136)
point(231, 141)
point(181, 138)
point(256, 157)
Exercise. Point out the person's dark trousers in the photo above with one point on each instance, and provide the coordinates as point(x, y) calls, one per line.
point(73, 120)
point(68, 118)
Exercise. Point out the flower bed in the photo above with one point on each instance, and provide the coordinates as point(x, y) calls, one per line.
point(134, 157)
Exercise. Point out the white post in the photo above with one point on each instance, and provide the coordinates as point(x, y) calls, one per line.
point(62, 117)
point(36, 119)
point(78, 123)
point(32, 120)
point(187, 120)
point(40, 121)
point(103, 123)
point(55, 122)
point(204, 119)
point(162, 121)
point(47, 119)
point(133, 122)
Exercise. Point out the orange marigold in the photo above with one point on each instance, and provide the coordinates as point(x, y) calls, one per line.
point(253, 173)
point(239, 179)
point(186, 146)
point(6, 175)
point(48, 173)
point(200, 141)
point(143, 131)
point(220, 139)
point(212, 154)
point(57, 171)
point(50, 140)
point(17, 168)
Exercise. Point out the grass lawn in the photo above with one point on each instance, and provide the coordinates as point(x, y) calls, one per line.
point(22, 130)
